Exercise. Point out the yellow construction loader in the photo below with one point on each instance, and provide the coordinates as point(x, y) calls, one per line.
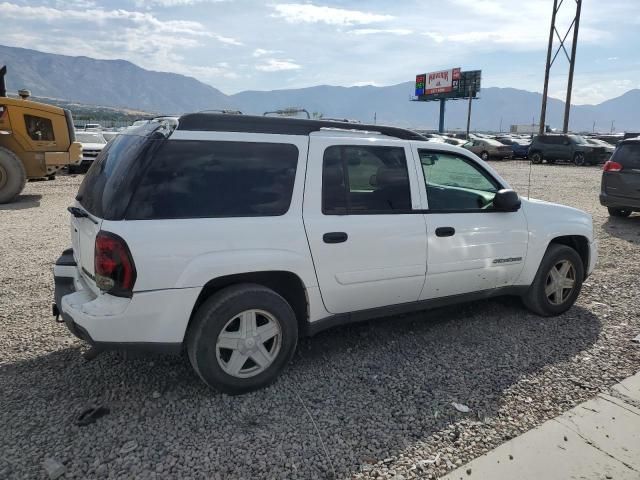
point(36, 140)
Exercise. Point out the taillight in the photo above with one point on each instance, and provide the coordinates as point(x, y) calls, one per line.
point(611, 166)
point(114, 267)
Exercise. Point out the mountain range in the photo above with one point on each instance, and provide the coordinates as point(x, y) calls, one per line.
point(119, 83)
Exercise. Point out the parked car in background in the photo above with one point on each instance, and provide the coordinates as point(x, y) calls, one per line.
point(620, 188)
point(488, 148)
point(109, 135)
point(458, 142)
point(519, 147)
point(93, 127)
point(233, 235)
point(601, 143)
point(92, 144)
point(568, 148)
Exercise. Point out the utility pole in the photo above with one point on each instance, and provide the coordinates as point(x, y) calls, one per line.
point(469, 112)
point(571, 59)
point(441, 122)
point(572, 65)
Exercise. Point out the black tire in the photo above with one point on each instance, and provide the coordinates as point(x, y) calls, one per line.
point(536, 298)
point(536, 157)
point(210, 320)
point(13, 176)
point(484, 156)
point(579, 159)
point(619, 212)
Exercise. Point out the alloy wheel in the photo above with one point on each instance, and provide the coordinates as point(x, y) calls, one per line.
point(561, 281)
point(249, 343)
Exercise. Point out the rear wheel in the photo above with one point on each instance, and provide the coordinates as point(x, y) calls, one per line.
point(242, 338)
point(619, 212)
point(579, 160)
point(536, 157)
point(557, 283)
point(12, 175)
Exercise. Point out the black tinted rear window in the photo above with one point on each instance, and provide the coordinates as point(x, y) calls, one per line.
point(106, 189)
point(628, 155)
point(199, 179)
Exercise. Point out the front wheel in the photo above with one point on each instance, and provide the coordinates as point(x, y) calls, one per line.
point(619, 212)
point(579, 160)
point(484, 156)
point(12, 175)
point(536, 157)
point(557, 283)
point(242, 338)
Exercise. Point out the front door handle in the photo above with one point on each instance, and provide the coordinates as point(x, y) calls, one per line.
point(445, 232)
point(335, 237)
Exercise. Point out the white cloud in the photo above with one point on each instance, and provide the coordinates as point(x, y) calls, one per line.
point(381, 31)
point(173, 3)
point(261, 52)
point(308, 13)
point(275, 65)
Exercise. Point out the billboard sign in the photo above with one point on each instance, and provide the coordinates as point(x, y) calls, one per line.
point(448, 84)
point(442, 82)
point(420, 81)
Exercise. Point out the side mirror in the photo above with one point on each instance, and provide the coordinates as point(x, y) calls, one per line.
point(506, 201)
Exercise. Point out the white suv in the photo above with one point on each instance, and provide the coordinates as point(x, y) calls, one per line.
point(230, 236)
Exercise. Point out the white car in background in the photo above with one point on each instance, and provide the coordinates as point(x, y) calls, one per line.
point(92, 145)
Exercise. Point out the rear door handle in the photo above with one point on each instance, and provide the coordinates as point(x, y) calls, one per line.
point(445, 232)
point(335, 237)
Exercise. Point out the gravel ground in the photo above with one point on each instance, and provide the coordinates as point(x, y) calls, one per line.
point(364, 401)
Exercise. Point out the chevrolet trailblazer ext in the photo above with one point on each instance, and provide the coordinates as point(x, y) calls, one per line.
point(231, 235)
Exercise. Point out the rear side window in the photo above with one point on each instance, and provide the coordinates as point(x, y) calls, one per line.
point(628, 155)
point(364, 179)
point(208, 179)
point(38, 128)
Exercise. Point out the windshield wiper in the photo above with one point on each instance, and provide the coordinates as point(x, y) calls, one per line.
point(80, 213)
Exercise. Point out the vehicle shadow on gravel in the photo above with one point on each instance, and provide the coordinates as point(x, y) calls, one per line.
point(624, 228)
point(364, 393)
point(22, 202)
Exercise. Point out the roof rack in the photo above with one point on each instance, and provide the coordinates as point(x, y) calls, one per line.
point(287, 112)
point(224, 111)
point(217, 122)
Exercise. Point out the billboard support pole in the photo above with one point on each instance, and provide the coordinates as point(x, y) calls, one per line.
point(469, 113)
point(441, 123)
point(572, 64)
point(547, 68)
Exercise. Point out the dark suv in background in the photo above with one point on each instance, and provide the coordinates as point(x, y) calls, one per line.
point(620, 190)
point(569, 148)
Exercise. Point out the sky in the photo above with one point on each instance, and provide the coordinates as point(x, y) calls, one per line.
point(237, 45)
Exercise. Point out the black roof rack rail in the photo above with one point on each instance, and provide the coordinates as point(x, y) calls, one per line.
point(225, 111)
point(217, 122)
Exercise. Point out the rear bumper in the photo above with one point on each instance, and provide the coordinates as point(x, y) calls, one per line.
point(149, 321)
point(608, 200)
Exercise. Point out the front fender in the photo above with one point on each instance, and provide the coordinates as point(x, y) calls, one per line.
point(548, 221)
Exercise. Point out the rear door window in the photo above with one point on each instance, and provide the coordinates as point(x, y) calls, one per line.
point(208, 179)
point(362, 179)
point(628, 155)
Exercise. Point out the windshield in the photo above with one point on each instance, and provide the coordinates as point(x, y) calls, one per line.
point(578, 139)
point(89, 138)
point(495, 143)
